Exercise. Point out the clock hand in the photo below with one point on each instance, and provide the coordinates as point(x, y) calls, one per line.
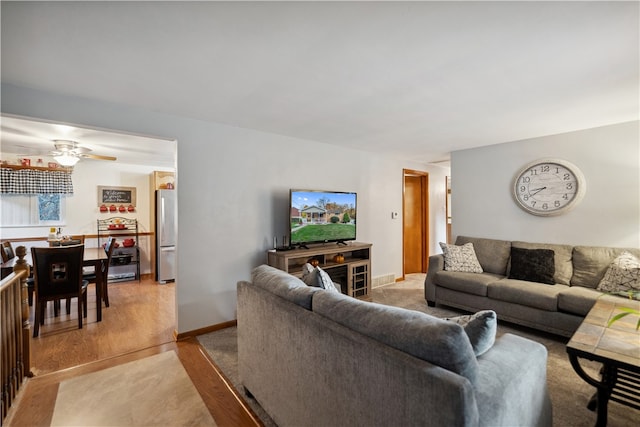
point(536, 191)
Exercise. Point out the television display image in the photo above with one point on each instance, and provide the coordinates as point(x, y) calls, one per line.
point(321, 216)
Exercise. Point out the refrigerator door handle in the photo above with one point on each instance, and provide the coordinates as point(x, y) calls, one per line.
point(163, 216)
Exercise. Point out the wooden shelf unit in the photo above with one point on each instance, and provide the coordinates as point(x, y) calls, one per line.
point(130, 256)
point(354, 274)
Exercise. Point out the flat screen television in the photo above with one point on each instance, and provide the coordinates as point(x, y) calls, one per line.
point(321, 216)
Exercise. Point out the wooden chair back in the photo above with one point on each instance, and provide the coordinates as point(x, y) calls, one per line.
point(7, 251)
point(57, 272)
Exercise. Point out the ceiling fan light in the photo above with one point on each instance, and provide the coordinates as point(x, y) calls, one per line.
point(66, 159)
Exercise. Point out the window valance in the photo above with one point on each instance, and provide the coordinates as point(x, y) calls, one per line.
point(34, 181)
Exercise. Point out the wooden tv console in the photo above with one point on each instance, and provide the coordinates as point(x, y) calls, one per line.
point(353, 274)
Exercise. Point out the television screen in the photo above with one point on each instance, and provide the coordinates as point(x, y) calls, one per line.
point(321, 216)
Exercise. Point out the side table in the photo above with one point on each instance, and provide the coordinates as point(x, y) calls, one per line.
point(616, 347)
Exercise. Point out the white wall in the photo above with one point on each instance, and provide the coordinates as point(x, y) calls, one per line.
point(82, 209)
point(609, 214)
point(233, 193)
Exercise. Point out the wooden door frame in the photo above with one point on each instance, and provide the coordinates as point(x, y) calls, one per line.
point(424, 184)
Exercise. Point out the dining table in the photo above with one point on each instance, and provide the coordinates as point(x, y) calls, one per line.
point(93, 257)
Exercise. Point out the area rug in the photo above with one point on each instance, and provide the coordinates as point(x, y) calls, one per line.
point(154, 391)
point(569, 393)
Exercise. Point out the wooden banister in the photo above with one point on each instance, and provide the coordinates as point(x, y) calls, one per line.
point(15, 332)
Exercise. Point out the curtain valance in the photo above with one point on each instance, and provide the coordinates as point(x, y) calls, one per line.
point(33, 181)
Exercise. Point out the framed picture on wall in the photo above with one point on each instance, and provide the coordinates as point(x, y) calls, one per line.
point(116, 195)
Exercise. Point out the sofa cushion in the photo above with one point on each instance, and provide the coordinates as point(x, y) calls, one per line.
point(426, 337)
point(284, 285)
point(460, 258)
point(622, 275)
point(532, 294)
point(471, 283)
point(590, 263)
point(481, 329)
point(493, 255)
point(562, 259)
point(532, 265)
point(577, 300)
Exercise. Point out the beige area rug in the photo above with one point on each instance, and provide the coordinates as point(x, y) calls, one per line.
point(154, 391)
point(569, 393)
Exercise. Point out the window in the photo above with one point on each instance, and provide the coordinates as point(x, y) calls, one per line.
point(32, 209)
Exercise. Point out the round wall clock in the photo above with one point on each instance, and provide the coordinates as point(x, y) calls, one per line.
point(548, 187)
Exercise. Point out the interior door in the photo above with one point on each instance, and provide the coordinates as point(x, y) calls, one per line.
point(415, 222)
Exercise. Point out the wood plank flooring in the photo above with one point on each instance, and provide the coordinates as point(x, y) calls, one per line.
point(140, 322)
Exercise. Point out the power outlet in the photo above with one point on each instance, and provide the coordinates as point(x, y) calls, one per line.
point(394, 215)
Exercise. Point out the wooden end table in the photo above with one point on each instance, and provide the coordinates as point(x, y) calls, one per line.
point(616, 347)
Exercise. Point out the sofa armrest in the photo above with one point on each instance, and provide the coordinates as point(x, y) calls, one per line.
point(516, 369)
point(436, 263)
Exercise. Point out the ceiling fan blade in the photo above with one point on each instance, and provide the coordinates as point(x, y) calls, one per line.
point(98, 157)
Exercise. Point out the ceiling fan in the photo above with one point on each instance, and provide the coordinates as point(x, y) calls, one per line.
point(67, 153)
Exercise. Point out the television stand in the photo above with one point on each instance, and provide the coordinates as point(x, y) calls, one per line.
point(353, 274)
point(341, 242)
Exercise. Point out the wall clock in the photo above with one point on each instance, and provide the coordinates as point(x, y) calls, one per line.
point(548, 187)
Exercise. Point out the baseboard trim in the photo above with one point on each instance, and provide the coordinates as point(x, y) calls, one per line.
point(185, 335)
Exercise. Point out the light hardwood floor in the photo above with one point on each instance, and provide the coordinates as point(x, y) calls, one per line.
point(139, 322)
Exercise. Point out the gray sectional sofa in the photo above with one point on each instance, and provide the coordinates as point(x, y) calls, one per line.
point(311, 357)
point(559, 308)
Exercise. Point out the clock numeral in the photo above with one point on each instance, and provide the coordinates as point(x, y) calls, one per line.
point(534, 171)
point(525, 197)
point(523, 188)
point(526, 179)
point(566, 177)
point(556, 203)
point(545, 206)
point(569, 186)
point(565, 196)
point(544, 168)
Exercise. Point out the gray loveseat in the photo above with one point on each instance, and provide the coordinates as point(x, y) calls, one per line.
point(558, 309)
point(311, 357)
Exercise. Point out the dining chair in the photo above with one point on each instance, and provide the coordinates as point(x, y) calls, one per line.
point(91, 277)
point(58, 275)
point(7, 251)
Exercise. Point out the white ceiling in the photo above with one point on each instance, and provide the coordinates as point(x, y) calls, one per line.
point(22, 137)
point(414, 79)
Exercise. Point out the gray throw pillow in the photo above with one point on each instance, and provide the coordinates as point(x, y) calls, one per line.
point(480, 328)
point(533, 265)
point(317, 277)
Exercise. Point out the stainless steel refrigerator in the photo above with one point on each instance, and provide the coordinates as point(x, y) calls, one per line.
point(166, 210)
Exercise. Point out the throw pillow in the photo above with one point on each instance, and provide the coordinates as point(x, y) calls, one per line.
point(460, 258)
point(308, 275)
point(623, 274)
point(325, 279)
point(533, 265)
point(480, 328)
point(317, 277)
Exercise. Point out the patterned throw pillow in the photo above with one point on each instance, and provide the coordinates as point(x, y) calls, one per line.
point(317, 277)
point(327, 283)
point(460, 258)
point(623, 274)
point(480, 328)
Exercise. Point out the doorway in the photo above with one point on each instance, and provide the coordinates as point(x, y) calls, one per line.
point(415, 221)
